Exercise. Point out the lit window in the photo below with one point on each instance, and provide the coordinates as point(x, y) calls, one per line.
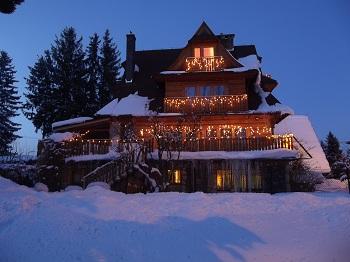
point(205, 91)
point(208, 51)
point(197, 52)
point(211, 132)
point(174, 176)
point(190, 91)
point(224, 180)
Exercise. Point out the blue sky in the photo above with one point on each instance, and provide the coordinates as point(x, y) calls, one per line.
point(305, 45)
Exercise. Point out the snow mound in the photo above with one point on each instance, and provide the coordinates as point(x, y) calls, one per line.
point(134, 105)
point(73, 188)
point(332, 185)
point(60, 137)
point(302, 129)
point(109, 156)
point(99, 184)
point(71, 121)
point(102, 225)
point(40, 187)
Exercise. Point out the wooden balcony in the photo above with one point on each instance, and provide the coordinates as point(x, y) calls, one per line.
point(240, 144)
point(206, 104)
point(204, 64)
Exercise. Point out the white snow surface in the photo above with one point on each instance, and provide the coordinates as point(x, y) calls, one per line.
point(60, 137)
point(109, 156)
point(102, 185)
point(300, 126)
point(71, 121)
point(261, 154)
point(40, 187)
point(134, 105)
point(101, 225)
point(332, 185)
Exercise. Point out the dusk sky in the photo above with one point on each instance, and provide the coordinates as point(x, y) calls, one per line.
point(305, 45)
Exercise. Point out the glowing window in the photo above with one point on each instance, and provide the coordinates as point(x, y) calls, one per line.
point(208, 51)
point(174, 176)
point(224, 180)
point(197, 52)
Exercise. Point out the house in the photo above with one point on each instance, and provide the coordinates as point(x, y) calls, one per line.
point(206, 114)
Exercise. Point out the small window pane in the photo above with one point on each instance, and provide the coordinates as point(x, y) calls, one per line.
point(219, 91)
point(197, 52)
point(224, 180)
point(190, 91)
point(205, 91)
point(208, 51)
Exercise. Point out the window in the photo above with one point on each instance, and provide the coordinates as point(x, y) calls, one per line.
point(174, 176)
point(224, 180)
point(208, 51)
point(205, 91)
point(241, 132)
point(219, 91)
point(197, 52)
point(190, 91)
point(211, 132)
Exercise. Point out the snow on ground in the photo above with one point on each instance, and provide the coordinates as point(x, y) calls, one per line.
point(101, 225)
point(332, 185)
point(131, 105)
point(76, 120)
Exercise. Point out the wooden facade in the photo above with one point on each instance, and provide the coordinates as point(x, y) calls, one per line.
point(223, 99)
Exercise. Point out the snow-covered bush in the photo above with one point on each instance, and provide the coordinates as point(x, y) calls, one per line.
point(73, 188)
point(99, 184)
point(40, 187)
point(302, 178)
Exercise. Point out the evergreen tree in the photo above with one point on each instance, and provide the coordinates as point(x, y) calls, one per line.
point(93, 69)
point(69, 75)
point(9, 104)
point(9, 6)
point(334, 155)
point(40, 105)
point(110, 64)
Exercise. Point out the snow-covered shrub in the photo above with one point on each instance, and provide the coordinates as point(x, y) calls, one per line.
point(40, 187)
point(99, 184)
point(302, 178)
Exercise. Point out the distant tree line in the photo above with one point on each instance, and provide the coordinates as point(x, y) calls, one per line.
point(66, 81)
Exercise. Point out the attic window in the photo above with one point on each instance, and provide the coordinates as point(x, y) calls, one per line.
point(203, 52)
point(208, 51)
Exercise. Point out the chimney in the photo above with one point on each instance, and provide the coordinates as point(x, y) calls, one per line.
point(130, 57)
point(227, 40)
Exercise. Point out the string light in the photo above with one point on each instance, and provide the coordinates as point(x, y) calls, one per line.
point(202, 103)
point(207, 63)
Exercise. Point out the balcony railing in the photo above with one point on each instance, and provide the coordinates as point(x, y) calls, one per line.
point(206, 104)
point(240, 144)
point(204, 64)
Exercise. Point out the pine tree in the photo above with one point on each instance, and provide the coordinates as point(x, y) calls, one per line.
point(9, 6)
point(332, 149)
point(334, 155)
point(110, 64)
point(69, 75)
point(40, 105)
point(9, 104)
point(93, 69)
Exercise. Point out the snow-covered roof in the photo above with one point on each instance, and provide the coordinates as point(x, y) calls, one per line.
point(60, 137)
point(248, 62)
point(302, 129)
point(134, 105)
point(264, 154)
point(71, 121)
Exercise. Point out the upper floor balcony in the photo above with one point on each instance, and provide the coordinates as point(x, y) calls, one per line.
point(206, 104)
point(204, 64)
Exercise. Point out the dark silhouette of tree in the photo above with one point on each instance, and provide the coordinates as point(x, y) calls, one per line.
point(9, 104)
point(9, 6)
point(40, 105)
point(110, 64)
point(93, 68)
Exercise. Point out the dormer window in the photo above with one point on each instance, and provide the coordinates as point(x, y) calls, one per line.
point(203, 52)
